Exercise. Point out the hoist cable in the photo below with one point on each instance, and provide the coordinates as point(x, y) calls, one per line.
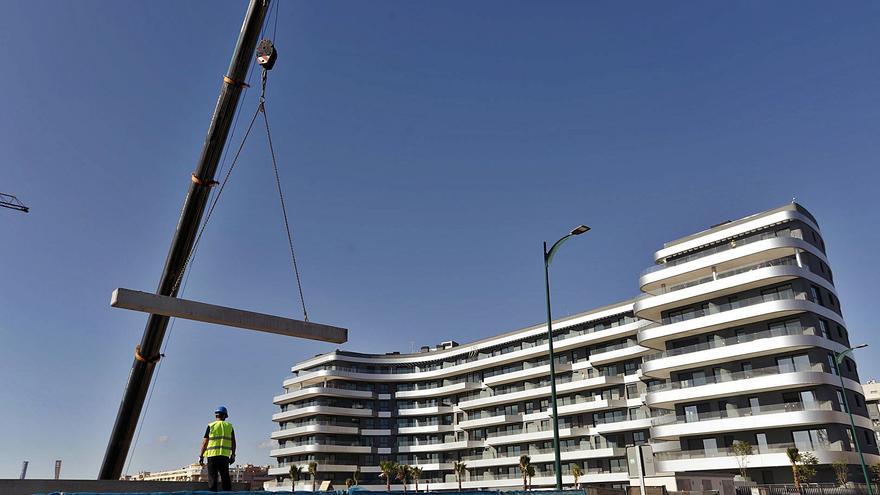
point(262, 108)
point(214, 202)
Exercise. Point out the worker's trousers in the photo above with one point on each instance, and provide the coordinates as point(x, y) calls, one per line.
point(218, 470)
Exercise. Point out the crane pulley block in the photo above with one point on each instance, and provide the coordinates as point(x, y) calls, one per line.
point(266, 54)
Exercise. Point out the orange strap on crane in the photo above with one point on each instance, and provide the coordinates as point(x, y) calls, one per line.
point(138, 356)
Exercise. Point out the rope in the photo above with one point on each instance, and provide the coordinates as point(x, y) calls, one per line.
point(262, 109)
point(214, 203)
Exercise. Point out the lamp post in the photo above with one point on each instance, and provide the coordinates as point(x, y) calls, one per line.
point(548, 257)
point(838, 358)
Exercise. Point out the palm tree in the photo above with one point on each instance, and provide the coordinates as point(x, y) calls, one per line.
point(295, 475)
point(460, 469)
point(524, 461)
point(530, 471)
point(793, 457)
point(386, 470)
point(313, 470)
point(403, 472)
point(416, 473)
point(349, 482)
point(577, 473)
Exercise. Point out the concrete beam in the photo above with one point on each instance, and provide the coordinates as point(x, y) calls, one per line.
point(221, 315)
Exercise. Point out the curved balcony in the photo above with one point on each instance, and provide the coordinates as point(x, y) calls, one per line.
point(525, 374)
point(425, 411)
point(311, 429)
point(311, 392)
point(440, 446)
point(765, 457)
point(587, 405)
point(532, 434)
point(666, 395)
point(700, 240)
point(540, 392)
point(619, 352)
point(413, 430)
point(313, 410)
point(727, 257)
point(671, 427)
point(741, 347)
point(484, 421)
point(283, 469)
point(455, 388)
point(322, 447)
point(639, 423)
point(560, 343)
point(740, 313)
point(651, 307)
point(581, 452)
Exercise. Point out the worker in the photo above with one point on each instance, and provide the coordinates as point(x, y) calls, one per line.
point(219, 447)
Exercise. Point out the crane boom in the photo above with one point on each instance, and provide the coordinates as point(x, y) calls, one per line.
point(148, 352)
point(13, 203)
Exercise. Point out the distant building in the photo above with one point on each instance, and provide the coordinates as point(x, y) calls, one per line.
point(255, 476)
point(872, 400)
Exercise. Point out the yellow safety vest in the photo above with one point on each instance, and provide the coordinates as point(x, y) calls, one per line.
point(219, 439)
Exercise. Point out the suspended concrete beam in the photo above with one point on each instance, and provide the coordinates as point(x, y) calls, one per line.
point(221, 315)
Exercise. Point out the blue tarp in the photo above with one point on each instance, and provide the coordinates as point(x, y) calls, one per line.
point(337, 492)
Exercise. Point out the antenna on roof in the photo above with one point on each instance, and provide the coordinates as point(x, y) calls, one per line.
point(793, 199)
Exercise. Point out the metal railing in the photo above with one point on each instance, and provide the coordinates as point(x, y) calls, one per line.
point(737, 339)
point(727, 377)
point(726, 246)
point(743, 412)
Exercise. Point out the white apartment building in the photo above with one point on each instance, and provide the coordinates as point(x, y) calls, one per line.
point(732, 339)
point(872, 397)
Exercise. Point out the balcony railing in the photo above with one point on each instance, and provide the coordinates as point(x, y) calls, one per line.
point(775, 448)
point(788, 261)
point(728, 377)
point(738, 339)
point(712, 308)
point(726, 246)
point(744, 412)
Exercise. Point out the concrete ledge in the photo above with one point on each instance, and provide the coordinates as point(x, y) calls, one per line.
point(221, 315)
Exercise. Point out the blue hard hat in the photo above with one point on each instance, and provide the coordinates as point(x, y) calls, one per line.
point(221, 410)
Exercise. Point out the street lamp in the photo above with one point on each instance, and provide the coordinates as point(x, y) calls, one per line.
point(548, 257)
point(838, 358)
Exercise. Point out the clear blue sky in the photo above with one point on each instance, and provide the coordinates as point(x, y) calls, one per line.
point(427, 148)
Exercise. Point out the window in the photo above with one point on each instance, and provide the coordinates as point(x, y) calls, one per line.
point(747, 369)
point(710, 446)
point(754, 405)
point(808, 399)
point(832, 366)
point(823, 329)
point(841, 404)
point(809, 439)
point(816, 295)
point(777, 293)
point(868, 439)
point(691, 415)
point(761, 442)
point(789, 364)
point(632, 390)
point(785, 327)
point(639, 438)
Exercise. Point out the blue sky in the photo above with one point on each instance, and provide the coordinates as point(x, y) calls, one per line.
point(426, 150)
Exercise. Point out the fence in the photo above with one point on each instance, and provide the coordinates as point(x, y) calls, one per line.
point(811, 489)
